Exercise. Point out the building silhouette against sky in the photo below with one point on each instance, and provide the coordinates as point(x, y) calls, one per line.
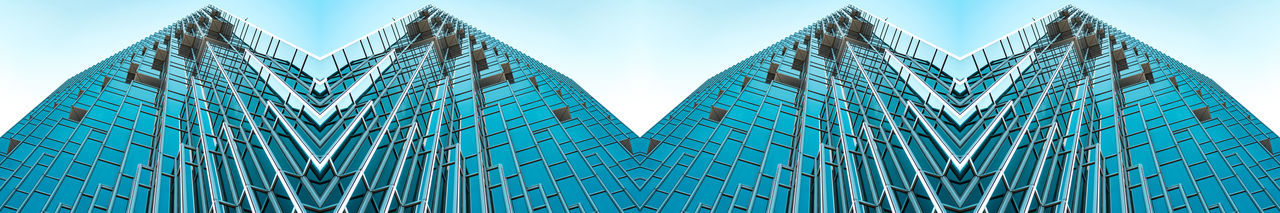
point(429, 114)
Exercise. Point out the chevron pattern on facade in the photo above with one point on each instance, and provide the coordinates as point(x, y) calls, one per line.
point(429, 114)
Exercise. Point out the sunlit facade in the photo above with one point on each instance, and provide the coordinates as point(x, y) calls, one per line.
point(213, 114)
point(429, 114)
point(851, 113)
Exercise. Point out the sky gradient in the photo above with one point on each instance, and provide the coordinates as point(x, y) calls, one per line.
point(639, 58)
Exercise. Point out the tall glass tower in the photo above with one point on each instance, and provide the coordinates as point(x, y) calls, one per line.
point(429, 114)
point(853, 114)
point(211, 113)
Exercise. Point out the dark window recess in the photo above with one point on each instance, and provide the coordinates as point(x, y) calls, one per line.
point(789, 81)
point(1199, 94)
point(490, 81)
point(13, 143)
point(221, 29)
point(560, 95)
point(1173, 81)
point(1131, 80)
point(80, 94)
point(1146, 71)
point(717, 114)
point(421, 29)
point(189, 46)
point(745, 81)
point(801, 61)
point(718, 94)
point(1118, 60)
point(1089, 45)
point(133, 71)
point(1060, 28)
point(152, 82)
point(1203, 114)
point(77, 114)
point(860, 31)
point(506, 71)
point(161, 61)
point(562, 114)
point(105, 81)
point(626, 144)
point(191, 27)
point(449, 47)
point(773, 71)
point(653, 144)
point(773, 76)
point(1266, 144)
point(534, 81)
point(830, 46)
point(478, 60)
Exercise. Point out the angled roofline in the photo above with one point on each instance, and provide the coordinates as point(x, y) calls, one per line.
point(304, 51)
point(409, 15)
point(961, 57)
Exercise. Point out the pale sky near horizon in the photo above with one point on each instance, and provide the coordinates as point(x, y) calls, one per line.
point(638, 58)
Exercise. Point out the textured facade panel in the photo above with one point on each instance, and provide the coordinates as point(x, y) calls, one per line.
point(1038, 121)
point(237, 122)
point(431, 115)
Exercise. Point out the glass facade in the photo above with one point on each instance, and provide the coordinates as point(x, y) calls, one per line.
point(212, 114)
point(853, 114)
point(429, 114)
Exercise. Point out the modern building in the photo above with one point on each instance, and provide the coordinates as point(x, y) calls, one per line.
point(212, 113)
point(853, 114)
point(429, 114)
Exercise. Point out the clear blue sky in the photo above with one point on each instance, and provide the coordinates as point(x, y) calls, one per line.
point(639, 58)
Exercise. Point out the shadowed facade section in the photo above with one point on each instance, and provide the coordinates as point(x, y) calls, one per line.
point(849, 114)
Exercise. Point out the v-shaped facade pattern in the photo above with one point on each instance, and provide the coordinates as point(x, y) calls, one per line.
point(853, 114)
point(212, 114)
point(428, 114)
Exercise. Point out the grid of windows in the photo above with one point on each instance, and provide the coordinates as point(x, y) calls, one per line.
point(1064, 114)
point(224, 118)
point(848, 114)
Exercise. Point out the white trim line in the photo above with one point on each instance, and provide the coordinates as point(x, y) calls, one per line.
point(304, 51)
point(961, 57)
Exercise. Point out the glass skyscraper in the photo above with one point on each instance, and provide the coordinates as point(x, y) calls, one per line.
point(429, 114)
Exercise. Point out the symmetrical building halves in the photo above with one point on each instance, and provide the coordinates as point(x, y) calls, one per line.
point(428, 114)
